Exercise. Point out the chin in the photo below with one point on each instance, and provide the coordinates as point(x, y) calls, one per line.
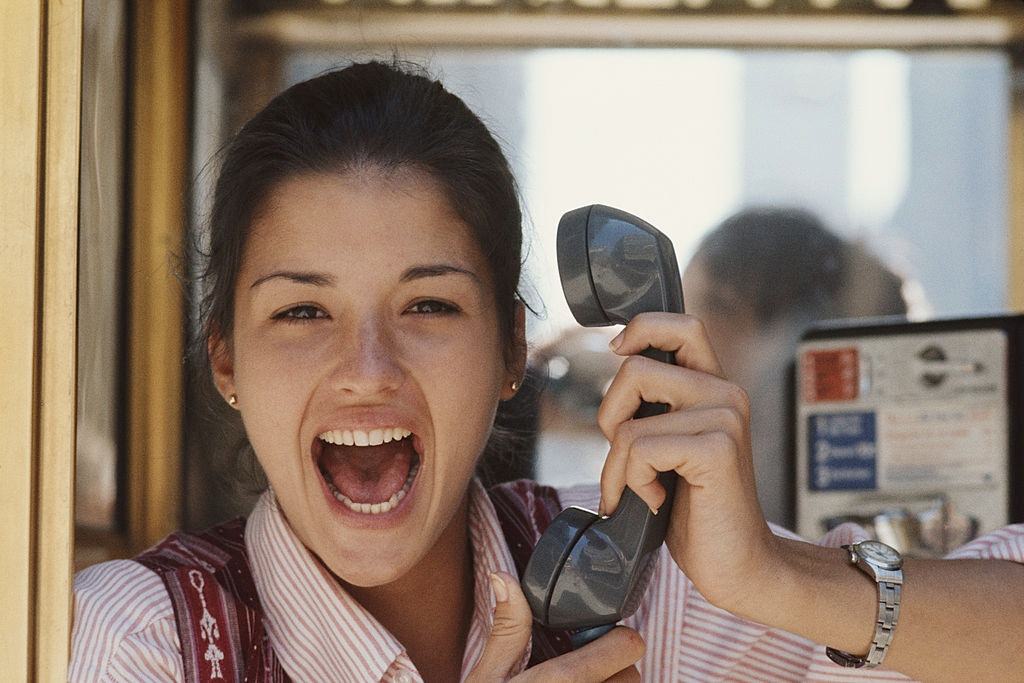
point(373, 566)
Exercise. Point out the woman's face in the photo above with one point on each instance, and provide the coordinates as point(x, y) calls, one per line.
point(364, 312)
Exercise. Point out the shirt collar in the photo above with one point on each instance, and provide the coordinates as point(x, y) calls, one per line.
point(320, 632)
point(490, 554)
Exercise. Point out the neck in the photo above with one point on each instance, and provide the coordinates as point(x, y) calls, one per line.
point(429, 609)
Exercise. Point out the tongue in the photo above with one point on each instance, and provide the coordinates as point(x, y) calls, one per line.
point(368, 474)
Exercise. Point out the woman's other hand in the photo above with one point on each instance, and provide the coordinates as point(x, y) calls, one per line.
point(717, 534)
point(609, 658)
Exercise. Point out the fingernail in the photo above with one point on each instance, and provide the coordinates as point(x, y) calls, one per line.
point(600, 509)
point(654, 511)
point(499, 588)
point(616, 341)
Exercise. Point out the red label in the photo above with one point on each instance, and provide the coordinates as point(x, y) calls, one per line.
point(831, 375)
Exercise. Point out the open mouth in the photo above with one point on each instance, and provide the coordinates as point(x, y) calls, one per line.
point(369, 472)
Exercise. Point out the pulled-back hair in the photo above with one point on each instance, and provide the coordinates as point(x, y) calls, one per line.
point(367, 116)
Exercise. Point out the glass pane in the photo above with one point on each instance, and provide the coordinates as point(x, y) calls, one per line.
point(902, 153)
point(100, 272)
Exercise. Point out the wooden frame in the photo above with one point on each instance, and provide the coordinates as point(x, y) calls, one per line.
point(20, 206)
point(1015, 191)
point(55, 509)
point(39, 131)
point(320, 29)
point(160, 83)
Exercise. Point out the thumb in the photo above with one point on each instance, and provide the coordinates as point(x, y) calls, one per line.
point(510, 633)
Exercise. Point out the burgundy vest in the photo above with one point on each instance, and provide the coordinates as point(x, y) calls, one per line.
point(217, 609)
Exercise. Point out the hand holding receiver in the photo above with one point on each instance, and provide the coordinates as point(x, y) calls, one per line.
point(717, 533)
point(610, 658)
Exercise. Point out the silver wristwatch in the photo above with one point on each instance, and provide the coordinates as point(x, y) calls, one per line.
point(883, 564)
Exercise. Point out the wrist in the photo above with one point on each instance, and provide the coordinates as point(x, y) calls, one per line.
point(814, 591)
point(883, 565)
point(758, 596)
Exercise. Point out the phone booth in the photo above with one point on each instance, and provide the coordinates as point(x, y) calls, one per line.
point(912, 430)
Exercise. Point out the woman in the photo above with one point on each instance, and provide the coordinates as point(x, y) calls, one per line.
point(363, 318)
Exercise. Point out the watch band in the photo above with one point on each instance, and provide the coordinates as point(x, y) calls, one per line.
point(890, 588)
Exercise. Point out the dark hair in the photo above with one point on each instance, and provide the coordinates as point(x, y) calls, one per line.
point(785, 262)
point(367, 116)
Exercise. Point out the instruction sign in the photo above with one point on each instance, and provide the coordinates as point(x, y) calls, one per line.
point(843, 451)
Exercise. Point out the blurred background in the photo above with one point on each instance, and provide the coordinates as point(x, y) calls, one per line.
point(810, 159)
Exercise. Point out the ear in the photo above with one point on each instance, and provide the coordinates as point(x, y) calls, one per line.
point(518, 369)
point(221, 364)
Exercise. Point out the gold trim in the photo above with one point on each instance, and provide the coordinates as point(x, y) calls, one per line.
point(317, 29)
point(160, 86)
point(55, 473)
point(1015, 205)
point(21, 168)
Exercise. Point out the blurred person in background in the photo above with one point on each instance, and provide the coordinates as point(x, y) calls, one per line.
point(758, 281)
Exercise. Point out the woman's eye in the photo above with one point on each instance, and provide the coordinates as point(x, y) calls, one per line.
point(432, 307)
point(300, 313)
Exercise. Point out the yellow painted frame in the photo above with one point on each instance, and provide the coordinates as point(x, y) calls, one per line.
point(1015, 191)
point(39, 130)
point(160, 83)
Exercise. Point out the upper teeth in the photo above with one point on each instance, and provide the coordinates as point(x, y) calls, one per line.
point(357, 437)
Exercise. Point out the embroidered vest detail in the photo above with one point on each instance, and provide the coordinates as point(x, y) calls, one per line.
point(217, 608)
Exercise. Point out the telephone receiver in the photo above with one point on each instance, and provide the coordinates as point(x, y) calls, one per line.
point(588, 572)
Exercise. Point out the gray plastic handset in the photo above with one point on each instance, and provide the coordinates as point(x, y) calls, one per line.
point(588, 572)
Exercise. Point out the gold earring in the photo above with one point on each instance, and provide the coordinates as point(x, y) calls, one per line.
point(233, 400)
point(515, 385)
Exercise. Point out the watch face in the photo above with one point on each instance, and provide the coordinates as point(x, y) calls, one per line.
point(880, 554)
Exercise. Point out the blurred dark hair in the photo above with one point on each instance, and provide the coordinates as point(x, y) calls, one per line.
point(784, 262)
point(784, 268)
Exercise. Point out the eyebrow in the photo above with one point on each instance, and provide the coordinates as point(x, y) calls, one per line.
point(325, 279)
point(436, 270)
point(305, 278)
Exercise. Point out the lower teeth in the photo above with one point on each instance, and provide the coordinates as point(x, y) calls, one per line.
point(374, 508)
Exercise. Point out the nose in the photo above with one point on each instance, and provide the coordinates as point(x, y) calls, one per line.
point(366, 362)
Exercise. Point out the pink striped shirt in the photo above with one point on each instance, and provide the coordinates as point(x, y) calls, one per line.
point(124, 626)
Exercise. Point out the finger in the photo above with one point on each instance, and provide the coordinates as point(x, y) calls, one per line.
point(682, 335)
point(702, 460)
point(627, 675)
point(687, 422)
point(651, 455)
point(642, 379)
point(510, 631)
point(596, 661)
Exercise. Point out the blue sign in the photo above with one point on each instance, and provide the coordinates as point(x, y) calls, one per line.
point(842, 452)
